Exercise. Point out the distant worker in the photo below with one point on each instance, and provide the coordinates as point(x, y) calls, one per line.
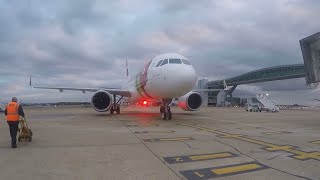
point(13, 112)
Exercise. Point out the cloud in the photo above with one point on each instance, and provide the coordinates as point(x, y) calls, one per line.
point(84, 43)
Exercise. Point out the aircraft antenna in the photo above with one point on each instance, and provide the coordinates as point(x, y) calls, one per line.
point(127, 68)
point(30, 81)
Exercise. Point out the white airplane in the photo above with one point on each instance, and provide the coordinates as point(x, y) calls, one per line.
point(165, 77)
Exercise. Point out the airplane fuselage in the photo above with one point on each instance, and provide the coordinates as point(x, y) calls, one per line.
point(166, 76)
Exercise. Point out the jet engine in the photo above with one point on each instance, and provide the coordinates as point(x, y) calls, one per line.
point(101, 101)
point(190, 102)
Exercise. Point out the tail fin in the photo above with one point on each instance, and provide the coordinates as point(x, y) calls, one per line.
point(224, 85)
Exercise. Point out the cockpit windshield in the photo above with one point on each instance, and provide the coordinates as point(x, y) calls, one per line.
point(159, 63)
point(172, 61)
point(175, 61)
point(186, 62)
point(164, 62)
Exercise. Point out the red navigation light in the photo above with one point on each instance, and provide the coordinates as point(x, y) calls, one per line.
point(145, 102)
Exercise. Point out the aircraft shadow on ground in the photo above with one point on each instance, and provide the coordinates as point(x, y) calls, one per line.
point(144, 114)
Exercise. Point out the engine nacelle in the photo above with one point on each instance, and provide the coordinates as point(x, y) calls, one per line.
point(190, 102)
point(101, 101)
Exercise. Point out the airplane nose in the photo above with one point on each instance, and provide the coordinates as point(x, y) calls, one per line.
point(186, 79)
point(181, 80)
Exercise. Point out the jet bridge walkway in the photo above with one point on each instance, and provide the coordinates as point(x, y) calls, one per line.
point(262, 75)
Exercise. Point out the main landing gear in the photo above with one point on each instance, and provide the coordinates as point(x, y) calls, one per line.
point(115, 106)
point(165, 109)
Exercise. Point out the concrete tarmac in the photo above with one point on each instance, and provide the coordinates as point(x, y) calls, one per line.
point(214, 143)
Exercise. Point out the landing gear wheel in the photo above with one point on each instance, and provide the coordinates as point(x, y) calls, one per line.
point(164, 115)
point(19, 139)
point(111, 110)
point(30, 139)
point(118, 110)
point(165, 109)
point(161, 109)
point(169, 115)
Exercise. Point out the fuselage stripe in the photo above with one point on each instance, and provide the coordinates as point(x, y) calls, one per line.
point(141, 81)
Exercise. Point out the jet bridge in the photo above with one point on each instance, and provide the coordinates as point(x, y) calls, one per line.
point(310, 70)
point(310, 47)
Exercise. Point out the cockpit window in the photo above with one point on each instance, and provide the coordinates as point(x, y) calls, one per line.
point(159, 63)
point(164, 62)
point(175, 61)
point(186, 62)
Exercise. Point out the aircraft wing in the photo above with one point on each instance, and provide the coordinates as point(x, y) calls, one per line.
point(114, 91)
point(119, 92)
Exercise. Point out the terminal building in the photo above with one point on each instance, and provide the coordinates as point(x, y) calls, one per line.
point(310, 70)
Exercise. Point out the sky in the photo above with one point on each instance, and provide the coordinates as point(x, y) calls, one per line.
point(85, 43)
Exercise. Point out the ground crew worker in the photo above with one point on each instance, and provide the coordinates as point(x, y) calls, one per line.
point(13, 112)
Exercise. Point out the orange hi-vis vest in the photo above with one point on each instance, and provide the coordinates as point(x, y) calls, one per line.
point(12, 112)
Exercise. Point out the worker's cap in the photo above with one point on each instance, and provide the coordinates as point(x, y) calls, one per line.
point(14, 99)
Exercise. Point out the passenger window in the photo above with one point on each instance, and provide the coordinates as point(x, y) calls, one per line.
point(186, 62)
point(164, 62)
point(175, 61)
point(159, 63)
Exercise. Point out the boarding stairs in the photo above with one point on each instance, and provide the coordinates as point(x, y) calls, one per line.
point(267, 103)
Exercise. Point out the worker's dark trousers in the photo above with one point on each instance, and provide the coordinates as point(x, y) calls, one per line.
point(13, 125)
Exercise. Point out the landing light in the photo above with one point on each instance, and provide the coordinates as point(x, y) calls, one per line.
point(145, 102)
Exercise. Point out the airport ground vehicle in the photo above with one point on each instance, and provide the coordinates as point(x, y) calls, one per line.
point(269, 105)
point(253, 108)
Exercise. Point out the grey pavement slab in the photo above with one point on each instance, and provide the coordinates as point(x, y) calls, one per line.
point(79, 143)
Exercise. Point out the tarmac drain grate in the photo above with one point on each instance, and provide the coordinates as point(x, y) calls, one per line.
point(276, 132)
point(145, 132)
point(168, 139)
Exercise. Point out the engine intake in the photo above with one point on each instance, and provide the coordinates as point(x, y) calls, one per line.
point(190, 102)
point(101, 101)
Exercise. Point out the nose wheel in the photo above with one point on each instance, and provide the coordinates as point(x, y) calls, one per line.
point(167, 114)
point(165, 110)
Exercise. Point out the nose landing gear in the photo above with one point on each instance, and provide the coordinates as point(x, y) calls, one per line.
point(165, 109)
